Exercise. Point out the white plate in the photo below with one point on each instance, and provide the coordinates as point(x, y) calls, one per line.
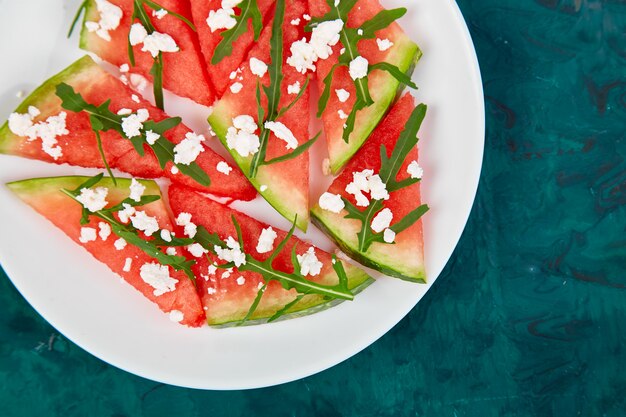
point(82, 299)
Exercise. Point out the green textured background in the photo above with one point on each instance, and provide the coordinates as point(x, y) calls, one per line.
point(528, 318)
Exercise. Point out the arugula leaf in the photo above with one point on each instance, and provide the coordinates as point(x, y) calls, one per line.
point(249, 11)
point(81, 9)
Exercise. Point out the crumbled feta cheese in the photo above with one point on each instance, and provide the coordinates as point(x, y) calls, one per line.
point(266, 240)
point(152, 137)
point(294, 89)
point(324, 36)
point(382, 220)
point(295, 22)
point(389, 236)
point(135, 98)
point(93, 199)
point(196, 250)
point(342, 95)
point(110, 18)
point(306, 17)
point(221, 19)
point(184, 220)
point(260, 285)
point(138, 34)
point(138, 82)
point(224, 168)
point(309, 264)
point(241, 136)
point(124, 68)
point(174, 170)
point(136, 190)
point(283, 133)
point(342, 114)
point(232, 75)
point(326, 167)
point(188, 150)
point(211, 290)
point(158, 277)
point(384, 44)
point(415, 170)
point(332, 202)
point(342, 51)
point(366, 182)
point(47, 130)
point(120, 244)
point(104, 231)
point(133, 124)
point(226, 274)
point(378, 189)
point(258, 67)
point(171, 251)
point(241, 281)
point(263, 188)
point(232, 253)
point(87, 234)
point(212, 269)
point(236, 87)
point(159, 14)
point(147, 224)
point(157, 42)
point(124, 112)
point(166, 235)
point(126, 212)
point(176, 316)
point(302, 56)
point(359, 32)
point(358, 68)
point(128, 263)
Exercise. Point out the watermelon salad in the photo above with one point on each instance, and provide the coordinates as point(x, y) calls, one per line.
point(263, 70)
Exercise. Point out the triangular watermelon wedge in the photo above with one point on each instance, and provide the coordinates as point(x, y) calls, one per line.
point(284, 185)
point(79, 147)
point(183, 71)
point(405, 258)
point(227, 296)
point(383, 88)
point(45, 196)
point(220, 73)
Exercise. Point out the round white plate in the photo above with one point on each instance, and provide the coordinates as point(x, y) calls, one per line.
point(84, 301)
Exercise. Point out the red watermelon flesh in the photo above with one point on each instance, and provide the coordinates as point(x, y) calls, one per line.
point(220, 73)
point(383, 88)
point(225, 299)
point(405, 259)
point(183, 72)
point(45, 196)
point(80, 146)
point(287, 182)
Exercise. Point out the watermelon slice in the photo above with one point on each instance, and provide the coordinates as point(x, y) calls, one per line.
point(80, 146)
point(405, 258)
point(227, 297)
point(183, 72)
point(45, 196)
point(284, 185)
point(219, 73)
point(382, 86)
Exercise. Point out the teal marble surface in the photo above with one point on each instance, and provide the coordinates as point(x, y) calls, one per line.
point(529, 317)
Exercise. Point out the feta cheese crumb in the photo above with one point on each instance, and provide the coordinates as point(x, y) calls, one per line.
point(110, 18)
point(93, 199)
point(326, 167)
point(359, 32)
point(295, 22)
point(358, 68)
point(87, 234)
point(309, 264)
point(342, 95)
point(188, 150)
point(126, 212)
point(241, 281)
point(224, 168)
point(258, 67)
point(389, 236)
point(174, 170)
point(166, 235)
point(124, 112)
point(136, 190)
point(260, 285)
point(157, 42)
point(158, 277)
point(294, 89)
point(306, 17)
point(133, 124)
point(184, 220)
point(147, 224)
point(342, 114)
point(124, 68)
point(366, 182)
point(332, 202)
point(128, 263)
point(283, 133)
point(176, 316)
point(211, 290)
point(104, 231)
point(382, 220)
point(266, 240)
point(135, 98)
point(138, 34)
point(378, 189)
point(232, 253)
point(236, 88)
point(324, 36)
point(415, 170)
point(384, 44)
point(223, 18)
point(152, 137)
point(47, 130)
point(120, 244)
point(138, 82)
point(196, 250)
point(171, 251)
point(159, 14)
point(241, 137)
point(302, 56)
point(263, 188)
point(212, 269)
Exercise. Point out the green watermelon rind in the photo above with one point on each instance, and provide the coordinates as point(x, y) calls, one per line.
point(91, 14)
point(405, 57)
point(220, 126)
point(40, 96)
point(378, 257)
point(358, 280)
